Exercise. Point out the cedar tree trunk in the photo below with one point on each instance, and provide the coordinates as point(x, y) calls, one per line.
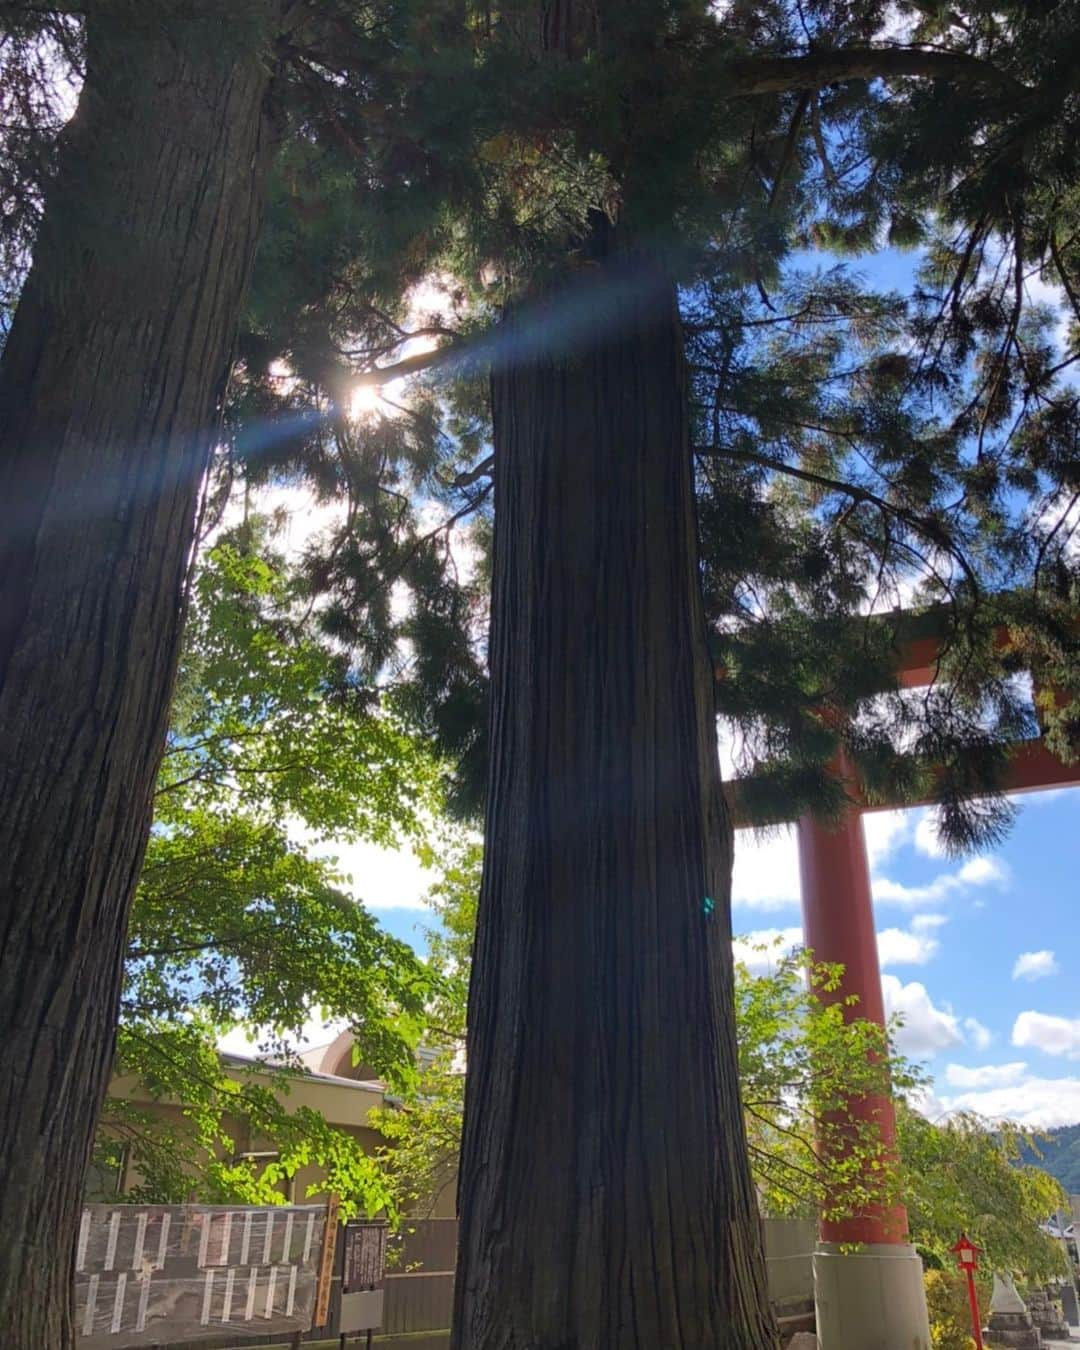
point(110, 387)
point(605, 1198)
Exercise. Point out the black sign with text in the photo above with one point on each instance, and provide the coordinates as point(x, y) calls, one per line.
point(365, 1256)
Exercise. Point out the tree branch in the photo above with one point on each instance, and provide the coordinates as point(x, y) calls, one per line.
point(780, 74)
point(57, 7)
point(188, 949)
point(469, 476)
point(1059, 264)
point(410, 365)
point(927, 528)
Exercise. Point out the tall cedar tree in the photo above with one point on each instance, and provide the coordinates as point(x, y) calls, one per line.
point(143, 213)
point(605, 1195)
point(110, 382)
point(657, 144)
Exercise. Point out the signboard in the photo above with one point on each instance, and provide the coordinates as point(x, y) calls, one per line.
point(365, 1256)
point(363, 1272)
point(146, 1274)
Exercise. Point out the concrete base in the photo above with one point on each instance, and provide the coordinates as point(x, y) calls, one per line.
point(870, 1299)
point(1014, 1330)
point(789, 1262)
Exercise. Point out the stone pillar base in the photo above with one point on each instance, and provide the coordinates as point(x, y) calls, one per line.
point(870, 1299)
point(1070, 1303)
point(1046, 1315)
point(1014, 1330)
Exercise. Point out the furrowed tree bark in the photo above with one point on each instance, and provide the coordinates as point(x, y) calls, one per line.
point(110, 388)
point(605, 1199)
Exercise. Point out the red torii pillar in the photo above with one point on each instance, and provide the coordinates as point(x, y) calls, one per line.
point(871, 1298)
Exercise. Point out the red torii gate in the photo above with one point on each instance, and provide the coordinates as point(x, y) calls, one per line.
point(873, 1299)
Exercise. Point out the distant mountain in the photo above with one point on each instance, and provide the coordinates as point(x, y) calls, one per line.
point(1060, 1152)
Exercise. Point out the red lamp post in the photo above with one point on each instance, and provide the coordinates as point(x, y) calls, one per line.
point(967, 1258)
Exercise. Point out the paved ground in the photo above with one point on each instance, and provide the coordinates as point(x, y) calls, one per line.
point(414, 1340)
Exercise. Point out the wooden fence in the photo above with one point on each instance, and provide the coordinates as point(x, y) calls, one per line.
point(420, 1276)
point(420, 1280)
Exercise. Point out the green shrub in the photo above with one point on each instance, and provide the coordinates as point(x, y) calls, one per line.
point(950, 1313)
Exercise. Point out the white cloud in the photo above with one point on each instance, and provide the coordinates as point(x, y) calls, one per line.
point(977, 872)
point(887, 891)
point(986, 1076)
point(767, 866)
point(1035, 965)
point(896, 26)
point(928, 923)
point(777, 942)
point(981, 1037)
point(927, 839)
point(926, 1027)
point(885, 831)
point(1045, 796)
point(1041, 1103)
point(899, 948)
point(381, 878)
point(299, 518)
point(730, 751)
point(896, 946)
point(766, 870)
point(1052, 1035)
point(984, 872)
point(926, 1101)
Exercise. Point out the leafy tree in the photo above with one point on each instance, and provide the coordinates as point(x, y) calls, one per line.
point(965, 1174)
point(423, 1131)
point(197, 1156)
point(799, 1064)
point(238, 925)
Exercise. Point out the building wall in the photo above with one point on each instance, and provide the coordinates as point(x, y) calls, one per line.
point(344, 1093)
point(344, 1105)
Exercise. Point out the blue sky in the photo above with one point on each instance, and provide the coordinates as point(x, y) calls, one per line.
point(977, 955)
point(1000, 1034)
